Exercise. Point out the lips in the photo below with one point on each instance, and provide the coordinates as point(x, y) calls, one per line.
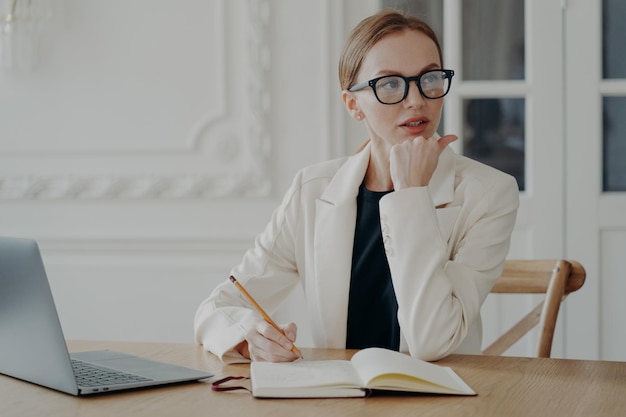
point(415, 126)
point(414, 122)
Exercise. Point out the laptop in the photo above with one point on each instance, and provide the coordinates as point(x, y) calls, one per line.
point(32, 345)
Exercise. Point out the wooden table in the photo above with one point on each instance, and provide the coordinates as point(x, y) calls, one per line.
point(506, 386)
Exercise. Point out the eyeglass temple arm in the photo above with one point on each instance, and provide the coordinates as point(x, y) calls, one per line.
point(359, 86)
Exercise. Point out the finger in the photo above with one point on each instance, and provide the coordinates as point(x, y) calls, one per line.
point(275, 335)
point(263, 349)
point(271, 353)
point(291, 331)
point(399, 163)
point(268, 343)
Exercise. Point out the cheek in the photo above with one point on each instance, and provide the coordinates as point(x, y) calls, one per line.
point(435, 115)
point(379, 114)
point(381, 121)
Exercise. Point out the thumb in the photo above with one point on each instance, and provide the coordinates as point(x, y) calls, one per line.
point(291, 331)
point(446, 140)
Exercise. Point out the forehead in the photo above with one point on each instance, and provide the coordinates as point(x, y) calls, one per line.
point(407, 53)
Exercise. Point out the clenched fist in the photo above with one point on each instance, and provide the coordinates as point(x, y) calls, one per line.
point(412, 163)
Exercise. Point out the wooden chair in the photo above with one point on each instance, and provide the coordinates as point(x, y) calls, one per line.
point(555, 278)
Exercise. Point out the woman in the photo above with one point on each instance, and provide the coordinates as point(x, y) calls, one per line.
point(396, 246)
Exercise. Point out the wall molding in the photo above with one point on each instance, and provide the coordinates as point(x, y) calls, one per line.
point(208, 255)
point(139, 187)
point(225, 154)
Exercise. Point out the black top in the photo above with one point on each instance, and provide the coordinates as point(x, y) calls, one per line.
point(372, 306)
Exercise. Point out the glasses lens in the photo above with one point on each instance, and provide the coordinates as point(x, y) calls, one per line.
point(390, 90)
point(435, 83)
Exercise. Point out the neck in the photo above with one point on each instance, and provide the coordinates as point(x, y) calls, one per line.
point(378, 175)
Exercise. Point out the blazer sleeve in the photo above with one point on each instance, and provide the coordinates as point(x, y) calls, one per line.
point(440, 285)
point(269, 273)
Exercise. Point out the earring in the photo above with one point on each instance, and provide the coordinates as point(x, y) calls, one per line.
point(359, 116)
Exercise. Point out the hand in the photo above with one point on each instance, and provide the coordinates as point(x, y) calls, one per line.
point(264, 343)
point(412, 163)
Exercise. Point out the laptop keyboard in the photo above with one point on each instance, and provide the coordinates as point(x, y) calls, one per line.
point(88, 375)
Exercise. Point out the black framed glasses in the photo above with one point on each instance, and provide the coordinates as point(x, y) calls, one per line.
point(392, 89)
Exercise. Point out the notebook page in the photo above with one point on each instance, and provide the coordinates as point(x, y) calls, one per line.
point(374, 362)
point(303, 373)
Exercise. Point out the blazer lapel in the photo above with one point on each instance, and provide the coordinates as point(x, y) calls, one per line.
point(334, 239)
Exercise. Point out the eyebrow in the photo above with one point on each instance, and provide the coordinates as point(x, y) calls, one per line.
point(389, 72)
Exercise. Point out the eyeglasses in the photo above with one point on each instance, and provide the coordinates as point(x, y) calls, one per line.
point(392, 89)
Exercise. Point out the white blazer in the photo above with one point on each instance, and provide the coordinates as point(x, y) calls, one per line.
point(445, 243)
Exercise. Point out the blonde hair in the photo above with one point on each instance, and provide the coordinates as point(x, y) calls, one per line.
point(369, 31)
point(365, 35)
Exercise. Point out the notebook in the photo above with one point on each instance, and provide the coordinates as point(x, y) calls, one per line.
point(33, 347)
point(369, 370)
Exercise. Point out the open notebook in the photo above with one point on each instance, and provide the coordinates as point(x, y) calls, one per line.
point(33, 347)
point(369, 370)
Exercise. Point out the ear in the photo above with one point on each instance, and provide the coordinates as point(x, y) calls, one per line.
point(349, 100)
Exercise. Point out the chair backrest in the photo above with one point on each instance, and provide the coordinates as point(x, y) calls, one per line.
point(554, 277)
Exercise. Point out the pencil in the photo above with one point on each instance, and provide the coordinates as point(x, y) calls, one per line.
point(258, 308)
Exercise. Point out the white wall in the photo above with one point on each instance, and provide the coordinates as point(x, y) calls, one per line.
point(153, 139)
point(150, 144)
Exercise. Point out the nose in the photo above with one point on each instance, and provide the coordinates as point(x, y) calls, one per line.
point(413, 98)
